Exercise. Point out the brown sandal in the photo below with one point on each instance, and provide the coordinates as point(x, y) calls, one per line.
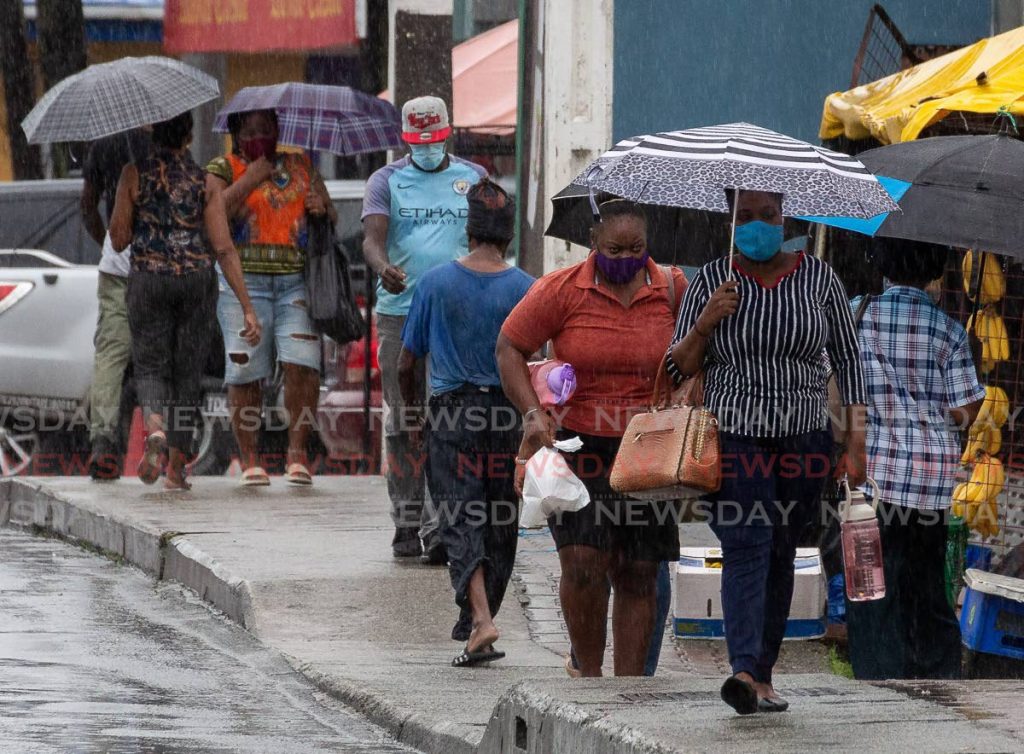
point(151, 465)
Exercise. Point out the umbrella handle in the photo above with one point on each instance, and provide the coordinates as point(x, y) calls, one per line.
point(732, 232)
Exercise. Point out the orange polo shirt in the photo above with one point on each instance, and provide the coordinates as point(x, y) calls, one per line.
point(615, 350)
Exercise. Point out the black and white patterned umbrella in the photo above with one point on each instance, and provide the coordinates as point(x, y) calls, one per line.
point(691, 168)
point(109, 98)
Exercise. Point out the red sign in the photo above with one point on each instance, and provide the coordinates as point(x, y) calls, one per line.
point(257, 25)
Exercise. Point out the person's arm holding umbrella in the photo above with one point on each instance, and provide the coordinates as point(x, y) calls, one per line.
point(123, 219)
point(318, 201)
point(697, 322)
point(90, 202)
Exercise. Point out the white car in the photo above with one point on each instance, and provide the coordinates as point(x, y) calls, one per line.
point(47, 320)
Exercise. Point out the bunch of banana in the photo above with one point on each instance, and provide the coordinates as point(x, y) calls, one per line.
point(981, 438)
point(991, 331)
point(994, 411)
point(993, 283)
point(976, 500)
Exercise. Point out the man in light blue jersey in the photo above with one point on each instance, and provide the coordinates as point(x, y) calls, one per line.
point(414, 219)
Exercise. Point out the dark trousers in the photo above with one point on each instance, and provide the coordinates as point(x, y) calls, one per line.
point(912, 632)
point(770, 495)
point(473, 437)
point(663, 603)
point(171, 318)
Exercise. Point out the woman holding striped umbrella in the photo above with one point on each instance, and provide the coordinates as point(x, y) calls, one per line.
point(758, 329)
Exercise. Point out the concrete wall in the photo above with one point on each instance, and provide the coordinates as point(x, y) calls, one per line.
point(684, 63)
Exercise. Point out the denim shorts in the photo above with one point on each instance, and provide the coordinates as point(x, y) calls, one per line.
point(288, 333)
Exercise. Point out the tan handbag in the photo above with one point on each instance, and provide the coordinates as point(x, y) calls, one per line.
point(670, 452)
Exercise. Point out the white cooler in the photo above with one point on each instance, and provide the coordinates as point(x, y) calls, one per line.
point(698, 595)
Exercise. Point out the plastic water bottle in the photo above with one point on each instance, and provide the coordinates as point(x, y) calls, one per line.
point(862, 546)
point(554, 382)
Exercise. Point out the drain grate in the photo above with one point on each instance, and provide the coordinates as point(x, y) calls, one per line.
point(640, 697)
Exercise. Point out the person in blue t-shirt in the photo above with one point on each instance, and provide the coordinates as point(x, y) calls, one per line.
point(414, 219)
point(472, 429)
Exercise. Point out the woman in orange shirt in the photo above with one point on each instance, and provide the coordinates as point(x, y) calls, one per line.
point(612, 318)
point(268, 196)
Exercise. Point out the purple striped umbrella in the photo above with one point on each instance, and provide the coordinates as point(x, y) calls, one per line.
point(320, 117)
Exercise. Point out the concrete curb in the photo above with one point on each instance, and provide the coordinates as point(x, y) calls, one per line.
point(231, 594)
point(527, 720)
point(412, 729)
point(171, 556)
point(32, 506)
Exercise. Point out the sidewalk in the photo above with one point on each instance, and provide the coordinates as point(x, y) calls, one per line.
point(310, 572)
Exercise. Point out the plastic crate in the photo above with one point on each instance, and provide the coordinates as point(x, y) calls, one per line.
point(978, 557)
point(992, 620)
point(697, 610)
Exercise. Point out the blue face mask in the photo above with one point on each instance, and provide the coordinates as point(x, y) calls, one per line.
point(428, 156)
point(758, 241)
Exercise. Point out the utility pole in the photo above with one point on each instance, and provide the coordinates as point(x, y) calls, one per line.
point(420, 59)
point(565, 118)
point(61, 27)
point(17, 86)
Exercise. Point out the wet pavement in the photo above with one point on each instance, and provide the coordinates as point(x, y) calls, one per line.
point(309, 573)
point(96, 657)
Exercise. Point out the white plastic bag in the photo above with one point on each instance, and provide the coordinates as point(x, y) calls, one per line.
point(551, 486)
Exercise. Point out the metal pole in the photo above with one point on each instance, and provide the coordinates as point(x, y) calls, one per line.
point(524, 40)
point(368, 368)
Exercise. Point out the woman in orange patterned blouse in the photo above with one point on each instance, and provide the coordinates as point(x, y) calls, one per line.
point(268, 196)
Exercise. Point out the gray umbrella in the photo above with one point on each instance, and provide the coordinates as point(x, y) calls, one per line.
point(108, 98)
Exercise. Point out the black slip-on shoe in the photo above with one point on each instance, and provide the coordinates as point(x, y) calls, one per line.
point(778, 704)
point(739, 695)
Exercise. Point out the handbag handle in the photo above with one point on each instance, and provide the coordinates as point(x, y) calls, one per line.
point(662, 396)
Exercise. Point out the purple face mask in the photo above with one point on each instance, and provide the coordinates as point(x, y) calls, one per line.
point(622, 270)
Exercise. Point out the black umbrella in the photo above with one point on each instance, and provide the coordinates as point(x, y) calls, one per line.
point(675, 235)
point(966, 191)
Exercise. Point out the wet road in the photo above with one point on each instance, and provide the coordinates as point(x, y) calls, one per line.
point(95, 657)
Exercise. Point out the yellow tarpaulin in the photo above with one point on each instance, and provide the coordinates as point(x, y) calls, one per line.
point(981, 78)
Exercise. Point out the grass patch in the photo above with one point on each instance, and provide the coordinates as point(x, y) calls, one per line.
point(839, 662)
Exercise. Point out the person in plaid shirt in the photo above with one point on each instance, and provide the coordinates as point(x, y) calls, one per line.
point(922, 386)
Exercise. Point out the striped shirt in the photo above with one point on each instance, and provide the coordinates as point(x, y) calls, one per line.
point(765, 374)
point(918, 365)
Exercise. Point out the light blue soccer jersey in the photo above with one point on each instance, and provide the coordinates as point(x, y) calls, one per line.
point(426, 220)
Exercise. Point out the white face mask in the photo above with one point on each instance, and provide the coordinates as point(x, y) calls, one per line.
point(428, 156)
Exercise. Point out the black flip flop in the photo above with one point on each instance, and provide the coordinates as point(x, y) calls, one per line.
point(468, 659)
point(739, 695)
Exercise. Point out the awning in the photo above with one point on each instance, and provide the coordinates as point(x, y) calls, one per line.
point(485, 81)
point(258, 25)
point(981, 78)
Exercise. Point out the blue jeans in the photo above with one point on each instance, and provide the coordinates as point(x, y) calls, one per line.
point(288, 333)
point(771, 492)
